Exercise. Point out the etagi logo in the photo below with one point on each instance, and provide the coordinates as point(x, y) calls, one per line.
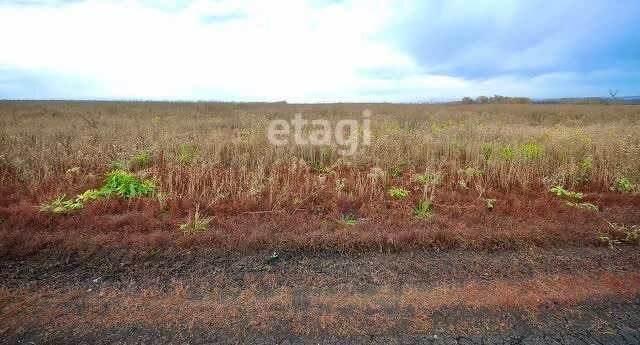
point(346, 134)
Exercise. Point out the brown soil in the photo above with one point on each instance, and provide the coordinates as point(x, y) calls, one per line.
point(199, 296)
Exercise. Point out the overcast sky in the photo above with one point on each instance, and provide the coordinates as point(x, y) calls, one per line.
point(317, 51)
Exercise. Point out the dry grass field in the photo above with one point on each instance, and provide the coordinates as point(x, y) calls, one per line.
point(181, 219)
point(468, 176)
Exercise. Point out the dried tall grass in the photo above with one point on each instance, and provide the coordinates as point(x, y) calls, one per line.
point(232, 160)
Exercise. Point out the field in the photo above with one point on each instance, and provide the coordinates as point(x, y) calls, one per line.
point(129, 221)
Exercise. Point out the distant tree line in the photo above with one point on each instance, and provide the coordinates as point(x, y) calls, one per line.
point(497, 99)
point(586, 100)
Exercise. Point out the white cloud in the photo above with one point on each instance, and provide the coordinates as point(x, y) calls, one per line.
point(247, 50)
point(262, 52)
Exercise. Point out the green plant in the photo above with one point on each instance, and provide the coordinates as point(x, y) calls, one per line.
point(584, 170)
point(273, 257)
point(187, 154)
point(574, 199)
point(582, 205)
point(319, 167)
point(349, 219)
point(622, 234)
point(490, 203)
point(608, 240)
point(507, 153)
point(60, 205)
point(623, 185)
point(119, 165)
point(423, 209)
point(586, 165)
point(487, 150)
point(530, 151)
point(631, 233)
point(395, 172)
point(118, 183)
point(92, 194)
point(428, 178)
point(142, 159)
point(563, 193)
point(126, 185)
point(341, 184)
point(470, 172)
point(195, 223)
point(72, 171)
point(398, 192)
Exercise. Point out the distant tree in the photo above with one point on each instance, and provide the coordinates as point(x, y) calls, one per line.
point(467, 100)
point(521, 100)
point(499, 99)
point(613, 93)
point(482, 99)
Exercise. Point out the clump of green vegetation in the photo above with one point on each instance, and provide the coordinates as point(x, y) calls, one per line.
point(423, 209)
point(398, 192)
point(395, 172)
point(154, 252)
point(319, 167)
point(574, 199)
point(195, 223)
point(187, 154)
point(141, 159)
point(507, 153)
point(341, 184)
point(583, 205)
point(631, 234)
point(273, 257)
point(349, 219)
point(608, 240)
point(467, 175)
point(563, 193)
point(622, 234)
point(119, 165)
point(530, 151)
point(60, 205)
point(72, 171)
point(428, 178)
point(429, 182)
point(487, 150)
point(118, 183)
point(126, 185)
point(584, 170)
point(490, 204)
point(623, 185)
point(470, 172)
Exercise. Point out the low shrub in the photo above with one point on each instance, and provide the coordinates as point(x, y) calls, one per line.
point(187, 154)
point(141, 159)
point(398, 193)
point(423, 209)
point(349, 219)
point(196, 223)
point(623, 185)
point(118, 183)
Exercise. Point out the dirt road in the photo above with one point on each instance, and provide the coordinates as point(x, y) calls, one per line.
point(535, 296)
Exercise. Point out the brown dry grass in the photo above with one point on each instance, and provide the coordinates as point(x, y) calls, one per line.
point(141, 224)
point(270, 197)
